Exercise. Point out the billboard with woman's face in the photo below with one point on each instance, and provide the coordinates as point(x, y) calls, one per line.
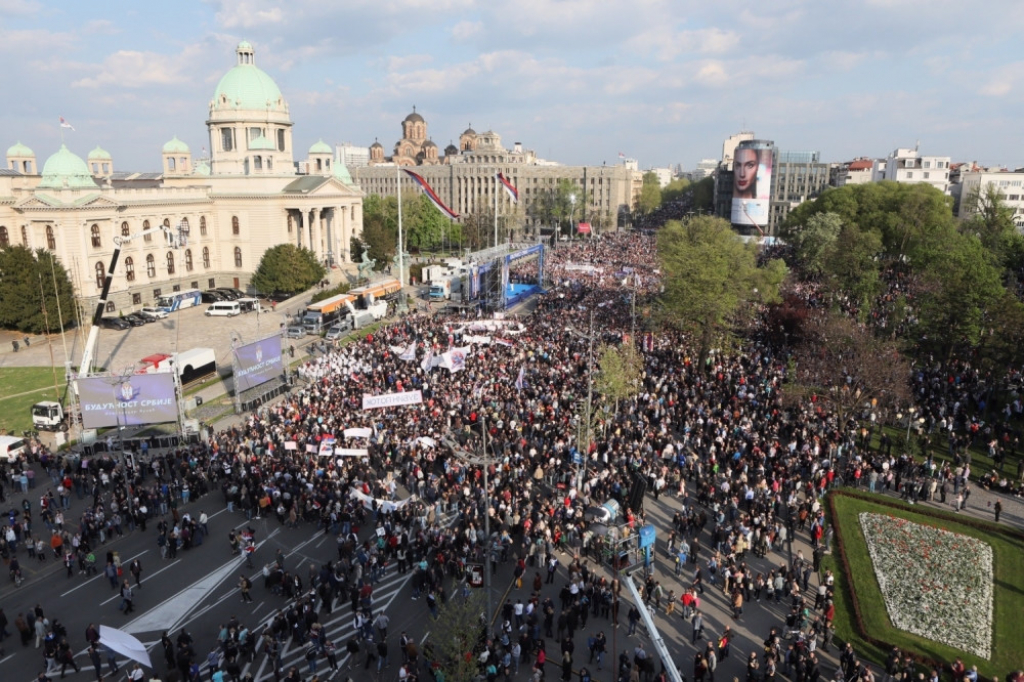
point(751, 185)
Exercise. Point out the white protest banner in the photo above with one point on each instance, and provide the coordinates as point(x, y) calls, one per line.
point(428, 441)
point(371, 402)
point(291, 445)
point(311, 448)
point(358, 432)
point(351, 452)
point(482, 340)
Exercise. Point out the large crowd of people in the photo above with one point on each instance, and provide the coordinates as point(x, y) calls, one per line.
point(743, 473)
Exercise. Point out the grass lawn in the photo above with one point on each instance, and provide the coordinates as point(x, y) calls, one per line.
point(1008, 594)
point(36, 383)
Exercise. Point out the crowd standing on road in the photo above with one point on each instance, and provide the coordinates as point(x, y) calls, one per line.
point(743, 476)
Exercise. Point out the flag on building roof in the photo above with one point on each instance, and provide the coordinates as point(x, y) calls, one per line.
point(431, 194)
point(65, 124)
point(621, 155)
point(513, 193)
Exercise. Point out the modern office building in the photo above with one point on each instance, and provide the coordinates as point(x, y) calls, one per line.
point(233, 206)
point(796, 177)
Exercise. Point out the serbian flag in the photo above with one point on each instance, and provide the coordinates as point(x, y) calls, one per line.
point(432, 195)
point(65, 124)
point(513, 193)
point(521, 379)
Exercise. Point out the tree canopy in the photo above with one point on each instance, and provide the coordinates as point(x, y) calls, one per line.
point(676, 190)
point(286, 268)
point(709, 276)
point(650, 194)
point(380, 228)
point(620, 368)
point(35, 291)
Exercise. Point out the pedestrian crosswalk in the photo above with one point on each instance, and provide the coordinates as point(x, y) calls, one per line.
point(339, 625)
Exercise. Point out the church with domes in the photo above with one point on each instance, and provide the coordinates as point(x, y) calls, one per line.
point(245, 197)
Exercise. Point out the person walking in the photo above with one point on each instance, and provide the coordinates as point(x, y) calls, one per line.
point(697, 621)
point(244, 585)
point(998, 509)
point(126, 597)
point(135, 568)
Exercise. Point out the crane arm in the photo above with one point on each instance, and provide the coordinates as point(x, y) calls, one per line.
point(174, 240)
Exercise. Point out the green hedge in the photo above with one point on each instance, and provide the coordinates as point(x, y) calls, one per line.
point(327, 293)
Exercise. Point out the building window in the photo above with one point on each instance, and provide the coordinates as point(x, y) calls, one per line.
point(176, 287)
point(227, 139)
point(5, 239)
point(235, 229)
point(910, 175)
point(927, 175)
point(211, 283)
point(125, 230)
point(129, 269)
point(110, 306)
point(258, 163)
point(280, 139)
point(96, 241)
point(170, 262)
point(184, 226)
point(145, 226)
point(238, 256)
point(101, 274)
point(157, 293)
point(206, 257)
point(150, 266)
point(254, 133)
point(202, 226)
point(136, 299)
point(194, 285)
point(188, 260)
point(24, 236)
point(51, 240)
point(170, 163)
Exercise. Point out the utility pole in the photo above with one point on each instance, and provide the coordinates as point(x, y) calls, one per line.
point(590, 396)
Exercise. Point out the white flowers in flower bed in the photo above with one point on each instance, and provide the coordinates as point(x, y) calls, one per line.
point(936, 584)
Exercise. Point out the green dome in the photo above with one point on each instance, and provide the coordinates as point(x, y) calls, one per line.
point(341, 173)
point(18, 149)
point(175, 146)
point(201, 168)
point(99, 154)
point(247, 87)
point(65, 169)
point(320, 147)
point(262, 143)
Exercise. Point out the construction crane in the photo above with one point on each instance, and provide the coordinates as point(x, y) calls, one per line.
point(176, 239)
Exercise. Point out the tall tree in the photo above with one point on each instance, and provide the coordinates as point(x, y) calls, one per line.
point(676, 190)
point(703, 193)
point(620, 368)
point(380, 228)
point(286, 268)
point(991, 220)
point(31, 284)
point(456, 632)
point(842, 366)
point(422, 223)
point(650, 194)
point(815, 241)
point(710, 276)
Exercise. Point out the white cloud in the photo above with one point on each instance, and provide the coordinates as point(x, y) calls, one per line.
point(19, 7)
point(135, 69)
point(465, 30)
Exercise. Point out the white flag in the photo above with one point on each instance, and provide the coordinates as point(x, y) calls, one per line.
point(65, 124)
point(427, 360)
point(409, 353)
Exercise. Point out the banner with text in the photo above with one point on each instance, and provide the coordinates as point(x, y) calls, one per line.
point(257, 363)
point(371, 402)
point(129, 401)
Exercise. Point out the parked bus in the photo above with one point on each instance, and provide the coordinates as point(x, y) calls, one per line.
point(179, 300)
point(384, 290)
point(322, 314)
point(193, 364)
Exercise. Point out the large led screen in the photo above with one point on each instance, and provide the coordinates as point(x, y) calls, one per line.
point(127, 401)
point(257, 363)
point(751, 186)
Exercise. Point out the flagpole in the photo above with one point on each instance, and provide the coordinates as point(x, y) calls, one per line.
point(496, 182)
point(401, 255)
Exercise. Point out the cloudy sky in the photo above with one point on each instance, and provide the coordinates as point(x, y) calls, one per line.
point(578, 81)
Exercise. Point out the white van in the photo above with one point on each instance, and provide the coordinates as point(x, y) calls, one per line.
point(12, 448)
point(224, 309)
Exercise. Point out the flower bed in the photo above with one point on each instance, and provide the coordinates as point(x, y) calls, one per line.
point(935, 583)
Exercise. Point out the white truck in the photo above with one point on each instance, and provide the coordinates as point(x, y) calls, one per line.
point(48, 415)
point(444, 289)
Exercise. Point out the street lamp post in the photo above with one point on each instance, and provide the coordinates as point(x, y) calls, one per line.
point(572, 212)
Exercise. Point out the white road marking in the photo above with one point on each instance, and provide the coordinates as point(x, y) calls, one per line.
point(101, 575)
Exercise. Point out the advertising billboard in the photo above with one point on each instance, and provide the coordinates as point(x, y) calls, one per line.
point(257, 363)
point(752, 183)
point(127, 401)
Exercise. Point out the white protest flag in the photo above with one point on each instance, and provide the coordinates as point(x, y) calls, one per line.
point(428, 359)
point(358, 432)
point(409, 353)
point(521, 379)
